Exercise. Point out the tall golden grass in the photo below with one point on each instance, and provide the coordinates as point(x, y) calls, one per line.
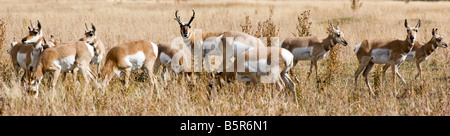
point(119, 22)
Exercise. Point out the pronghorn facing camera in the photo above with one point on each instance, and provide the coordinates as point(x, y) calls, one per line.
point(384, 51)
point(170, 58)
point(421, 51)
point(312, 48)
point(216, 43)
point(26, 54)
point(270, 62)
point(72, 56)
point(95, 41)
point(128, 57)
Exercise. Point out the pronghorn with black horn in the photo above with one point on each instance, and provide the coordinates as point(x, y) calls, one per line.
point(216, 43)
point(384, 51)
point(312, 48)
point(129, 57)
point(26, 54)
point(421, 51)
point(171, 59)
point(72, 56)
point(99, 48)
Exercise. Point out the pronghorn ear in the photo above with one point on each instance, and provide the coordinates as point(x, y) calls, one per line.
point(52, 38)
point(406, 23)
point(418, 24)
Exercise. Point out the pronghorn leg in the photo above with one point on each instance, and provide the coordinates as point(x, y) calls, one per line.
point(394, 71)
point(84, 72)
point(292, 71)
point(315, 68)
point(55, 77)
point(23, 76)
point(75, 75)
point(98, 70)
point(64, 76)
point(149, 66)
point(362, 64)
point(156, 66)
point(366, 73)
point(385, 68)
point(291, 84)
point(419, 70)
point(163, 75)
point(398, 74)
point(16, 69)
point(310, 69)
point(127, 73)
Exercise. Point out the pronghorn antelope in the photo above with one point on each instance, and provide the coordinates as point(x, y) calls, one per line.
point(72, 56)
point(384, 51)
point(99, 48)
point(227, 44)
point(170, 58)
point(312, 48)
point(271, 62)
point(421, 51)
point(26, 54)
point(128, 57)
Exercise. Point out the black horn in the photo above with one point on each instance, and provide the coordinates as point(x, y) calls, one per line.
point(177, 18)
point(192, 18)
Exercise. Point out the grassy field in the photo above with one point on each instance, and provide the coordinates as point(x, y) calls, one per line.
point(119, 22)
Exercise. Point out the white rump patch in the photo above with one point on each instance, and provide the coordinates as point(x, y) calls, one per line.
point(135, 61)
point(357, 47)
point(155, 48)
point(304, 53)
point(381, 56)
point(288, 57)
point(66, 64)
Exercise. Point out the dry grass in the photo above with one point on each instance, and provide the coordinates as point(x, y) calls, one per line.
point(153, 20)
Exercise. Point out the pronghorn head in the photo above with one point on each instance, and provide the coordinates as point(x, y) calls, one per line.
point(90, 35)
point(50, 43)
point(337, 35)
point(438, 39)
point(412, 31)
point(184, 27)
point(34, 33)
point(33, 87)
